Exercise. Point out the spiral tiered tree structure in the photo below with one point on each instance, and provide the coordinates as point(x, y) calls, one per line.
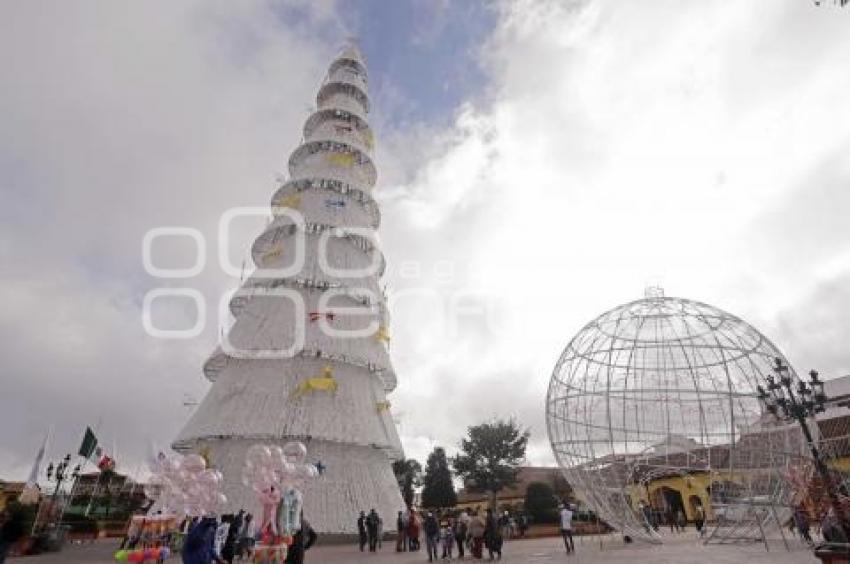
point(307, 356)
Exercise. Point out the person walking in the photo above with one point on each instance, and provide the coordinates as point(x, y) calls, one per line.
point(646, 513)
point(522, 524)
point(505, 525)
point(401, 533)
point(228, 549)
point(12, 529)
point(672, 521)
point(699, 520)
point(460, 532)
point(567, 528)
point(246, 538)
point(476, 534)
point(432, 535)
point(372, 526)
point(302, 540)
point(447, 537)
point(413, 526)
point(492, 535)
point(221, 533)
point(199, 547)
point(361, 530)
point(801, 520)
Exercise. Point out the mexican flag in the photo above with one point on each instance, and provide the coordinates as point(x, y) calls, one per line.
point(89, 445)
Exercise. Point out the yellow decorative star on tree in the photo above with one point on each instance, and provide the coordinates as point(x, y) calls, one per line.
point(382, 334)
point(273, 253)
point(290, 201)
point(206, 454)
point(325, 382)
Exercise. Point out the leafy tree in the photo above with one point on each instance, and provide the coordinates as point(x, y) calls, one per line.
point(490, 457)
point(437, 487)
point(408, 474)
point(541, 503)
point(563, 489)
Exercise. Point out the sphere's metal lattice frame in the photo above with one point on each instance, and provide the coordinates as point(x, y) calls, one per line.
point(665, 387)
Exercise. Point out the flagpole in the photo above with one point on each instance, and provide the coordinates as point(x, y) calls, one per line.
point(81, 464)
point(38, 471)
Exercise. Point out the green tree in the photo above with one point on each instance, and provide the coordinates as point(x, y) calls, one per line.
point(541, 502)
point(563, 489)
point(437, 487)
point(490, 457)
point(408, 474)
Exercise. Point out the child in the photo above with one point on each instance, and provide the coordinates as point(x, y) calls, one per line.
point(448, 539)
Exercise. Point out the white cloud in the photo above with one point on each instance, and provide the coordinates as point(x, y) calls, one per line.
point(615, 143)
point(117, 119)
point(630, 143)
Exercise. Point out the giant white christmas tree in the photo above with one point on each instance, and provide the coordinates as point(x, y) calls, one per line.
point(306, 357)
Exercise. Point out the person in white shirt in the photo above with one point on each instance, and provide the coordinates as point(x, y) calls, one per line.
point(567, 527)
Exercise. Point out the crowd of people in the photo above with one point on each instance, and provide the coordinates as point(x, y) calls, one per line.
point(445, 536)
point(233, 537)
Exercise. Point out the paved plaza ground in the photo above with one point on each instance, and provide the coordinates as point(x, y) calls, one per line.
point(682, 549)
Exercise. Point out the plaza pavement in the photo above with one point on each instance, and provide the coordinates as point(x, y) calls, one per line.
point(681, 549)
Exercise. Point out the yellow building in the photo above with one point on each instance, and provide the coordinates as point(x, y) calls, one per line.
point(9, 491)
point(513, 498)
point(671, 483)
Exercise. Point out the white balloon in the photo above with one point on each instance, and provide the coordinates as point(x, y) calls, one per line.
point(295, 452)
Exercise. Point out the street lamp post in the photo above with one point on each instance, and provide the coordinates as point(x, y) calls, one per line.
point(58, 473)
point(787, 403)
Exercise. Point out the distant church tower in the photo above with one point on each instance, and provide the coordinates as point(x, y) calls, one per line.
point(331, 393)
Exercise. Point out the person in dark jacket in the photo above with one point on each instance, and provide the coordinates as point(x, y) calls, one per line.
point(460, 533)
point(492, 535)
point(228, 550)
point(432, 536)
point(12, 530)
point(199, 547)
point(303, 539)
point(361, 530)
point(372, 528)
point(401, 533)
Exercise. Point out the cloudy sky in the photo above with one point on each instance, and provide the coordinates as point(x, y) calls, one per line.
point(540, 162)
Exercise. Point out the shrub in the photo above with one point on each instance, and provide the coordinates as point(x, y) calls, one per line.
point(541, 503)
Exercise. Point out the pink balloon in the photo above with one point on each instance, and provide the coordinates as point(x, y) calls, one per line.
point(193, 463)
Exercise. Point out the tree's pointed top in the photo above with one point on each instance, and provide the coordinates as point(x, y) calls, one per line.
point(351, 50)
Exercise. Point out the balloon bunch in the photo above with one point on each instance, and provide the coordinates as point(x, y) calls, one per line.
point(276, 474)
point(184, 484)
point(142, 554)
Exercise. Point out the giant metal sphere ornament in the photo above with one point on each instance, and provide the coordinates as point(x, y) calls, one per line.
point(652, 411)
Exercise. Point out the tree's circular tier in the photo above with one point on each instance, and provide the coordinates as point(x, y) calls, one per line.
point(341, 126)
point(334, 254)
point(331, 159)
point(343, 95)
point(351, 63)
point(349, 75)
point(328, 193)
point(219, 360)
point(274, 398)
point(355, 296)
point(355, 478)
point(335, 320)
